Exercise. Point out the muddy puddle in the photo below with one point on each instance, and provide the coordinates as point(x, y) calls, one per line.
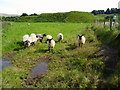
point(4, 64)
point(39, 69)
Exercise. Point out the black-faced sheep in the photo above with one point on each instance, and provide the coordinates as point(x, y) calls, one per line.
point(60, 37)
point(81, 40)
point(49, 37)
point(51, 44)
point(26, 41)
point(33, 39)
point(40, 37)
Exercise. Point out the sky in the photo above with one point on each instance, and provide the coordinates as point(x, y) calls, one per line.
point(53, 6)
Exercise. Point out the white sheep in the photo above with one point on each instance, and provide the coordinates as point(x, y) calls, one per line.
point(25, 37)
point(33, 39)
point(32, 35)
point(81, 40)
point(51, 44)
point(60, 37)
point(40, 37)
point(26, 41)
point(49, 37)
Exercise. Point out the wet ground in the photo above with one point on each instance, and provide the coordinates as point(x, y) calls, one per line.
point(39, 69)
point(4, 64)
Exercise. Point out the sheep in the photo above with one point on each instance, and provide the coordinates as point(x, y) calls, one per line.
point(49, 37)
point(40, 37)
point(26, 41)
point(33, 39)
point(81, 40)
point(51, 44)
point(60, 37)
point(33, 35)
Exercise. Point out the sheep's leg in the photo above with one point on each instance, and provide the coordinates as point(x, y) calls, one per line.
point(79, 44)
point(49, 49)
point(52, 50)
point(28, 44)
point(41, 40)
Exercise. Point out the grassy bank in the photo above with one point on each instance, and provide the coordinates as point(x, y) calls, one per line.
point(69, 66)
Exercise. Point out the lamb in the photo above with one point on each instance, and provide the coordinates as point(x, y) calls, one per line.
point(60, 37)
point(51, 44)
point(81, 40)
point(40, 37)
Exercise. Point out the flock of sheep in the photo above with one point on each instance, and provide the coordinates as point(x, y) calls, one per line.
point(33, 38)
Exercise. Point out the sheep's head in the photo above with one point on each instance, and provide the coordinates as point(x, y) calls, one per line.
point(80, 36)
point(49, 40)
point(44, 34)
point(27, 43)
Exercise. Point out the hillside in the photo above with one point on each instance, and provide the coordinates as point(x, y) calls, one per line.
point(8, 15)
point(73, 16)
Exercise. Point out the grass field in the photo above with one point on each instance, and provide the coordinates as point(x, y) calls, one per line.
point(69, 66)
point(14, 33)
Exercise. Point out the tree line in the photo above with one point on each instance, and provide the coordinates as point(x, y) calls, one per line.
point(108, 11)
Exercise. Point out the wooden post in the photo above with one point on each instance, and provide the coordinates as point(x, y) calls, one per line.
point(104, 23)
point(110, 23)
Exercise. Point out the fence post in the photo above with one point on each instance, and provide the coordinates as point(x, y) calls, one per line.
point(104, 23)
point(110, 23)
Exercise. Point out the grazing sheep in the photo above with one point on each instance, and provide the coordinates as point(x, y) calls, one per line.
point(26, 41)
point(33, 39)
point(51, 44)
point(40, 37)
point(60, 37)
point(49, 37)
point(33, 35)
point(81, 40)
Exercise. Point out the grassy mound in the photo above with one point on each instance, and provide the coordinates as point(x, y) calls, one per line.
point(79, 17)
point(73, 16)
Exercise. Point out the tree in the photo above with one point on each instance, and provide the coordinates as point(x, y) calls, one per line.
point(108, 11)
point(94, 12)
point(24, 14)
point(33, 14)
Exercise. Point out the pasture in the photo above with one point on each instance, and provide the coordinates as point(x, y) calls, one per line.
point(69, 66)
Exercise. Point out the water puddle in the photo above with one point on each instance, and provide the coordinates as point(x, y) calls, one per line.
point(39, 69)
point(4, 64)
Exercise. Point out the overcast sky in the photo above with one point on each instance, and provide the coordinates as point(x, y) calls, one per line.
point(51, 6)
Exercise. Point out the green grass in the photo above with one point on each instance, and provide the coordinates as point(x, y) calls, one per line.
point(13, 77)
point(13, 34)
point(69, 66)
